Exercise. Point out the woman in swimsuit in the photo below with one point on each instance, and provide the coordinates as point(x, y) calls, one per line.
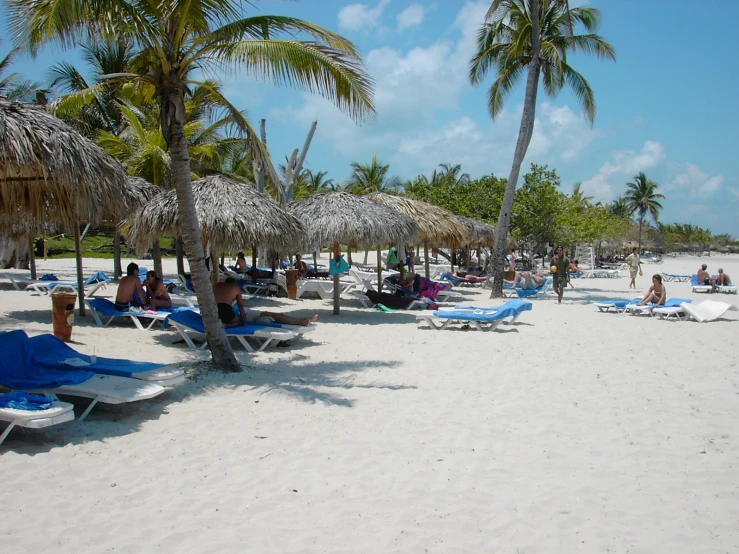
point(156, 293)
point(657, 293)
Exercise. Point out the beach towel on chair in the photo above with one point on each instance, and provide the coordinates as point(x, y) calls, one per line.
point(19, 368)
point(22, 400)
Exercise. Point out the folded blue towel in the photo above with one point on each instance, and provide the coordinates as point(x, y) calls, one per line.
point(98, 277)
point(49, 277)
point(52, 353)
point(20, 370)
point(22, 400)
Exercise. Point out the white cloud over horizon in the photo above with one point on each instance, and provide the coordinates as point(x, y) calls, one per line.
point(356, 17)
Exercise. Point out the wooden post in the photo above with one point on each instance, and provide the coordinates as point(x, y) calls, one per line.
point(254, 270)
point(116, 251)
point(426, 259)
point(78, 257)
point(46, 248)
point(337, 254)
point(31, 257)
point(379, 269)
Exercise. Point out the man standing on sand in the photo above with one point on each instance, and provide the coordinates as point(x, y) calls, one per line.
point(634, 266)
point(561, 263)
point(227, 292)
point(130, 290)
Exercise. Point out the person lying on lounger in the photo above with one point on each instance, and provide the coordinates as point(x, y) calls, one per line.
point(227, 292)
point(657, 293)
point(130, 293)
point(704, 278)
point(722, 280)
point(529, 281)
point(156, 293)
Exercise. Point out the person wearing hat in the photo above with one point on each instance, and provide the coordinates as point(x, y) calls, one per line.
point(634, 266)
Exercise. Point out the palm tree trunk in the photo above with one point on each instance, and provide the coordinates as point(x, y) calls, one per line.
point(31, 256)
point(641, 221)
point(522, 144)
point(220, 348)
point(180, 253)
point(379, 269)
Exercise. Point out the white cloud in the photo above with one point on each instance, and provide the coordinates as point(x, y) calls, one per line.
point(627, 164)
point(355, 17)
point(410, 17)
point(734, 191)
point(694, 181)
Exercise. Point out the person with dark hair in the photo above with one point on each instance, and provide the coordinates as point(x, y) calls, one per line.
point(560, 265)
point(130, 291)
point(301, 266)
point(704, 278)
point(240, 266)
point(228, 292)
point(156, 293)
point(657, 293)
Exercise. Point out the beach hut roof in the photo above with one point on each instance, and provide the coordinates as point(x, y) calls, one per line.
point(51, 172)
point(141, 191)
point(436, 226)
point(231, 214)
point(350, 219)
point(477, 231)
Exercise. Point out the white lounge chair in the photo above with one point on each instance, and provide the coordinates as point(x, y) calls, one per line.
point(674, 313)
point(186, 322)
point(58, 412)
point(708, 310)
point(617, 305)
point(102, 308)
point(482, 319)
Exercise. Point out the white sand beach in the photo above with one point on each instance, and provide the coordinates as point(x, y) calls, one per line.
point(568, 431)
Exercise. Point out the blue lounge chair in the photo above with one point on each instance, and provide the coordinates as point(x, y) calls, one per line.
point(618, 305)
point(52, 353)
point(482, 319)
point(648, 309)
point(105, 308)
point(20, 370)
point(21, 409)
point(187, 321)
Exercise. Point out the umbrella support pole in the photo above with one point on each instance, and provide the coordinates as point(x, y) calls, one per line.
point(379, 269)
point(254, 270)
point(426, 260)
point(337, 254)
point(31, 257)
point(78, 258)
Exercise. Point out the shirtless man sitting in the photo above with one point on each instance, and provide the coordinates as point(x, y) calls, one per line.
point(526, 280)
point(227, 292)
point(156, 293)
point(722, 280)
point(130, 291)
point(704, 278)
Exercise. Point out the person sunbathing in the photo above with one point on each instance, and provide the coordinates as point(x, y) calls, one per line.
point(156, 293)
point(657, 293)
point(228, 292)
point(529, 281)
point(704, 278)
point(130, 293)
point(722, 280)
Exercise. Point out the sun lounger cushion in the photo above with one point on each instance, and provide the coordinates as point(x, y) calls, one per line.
point(22, 400)
point(52, 353)
point(514, 304)
point(192, 320)
point(477, 315)
point(619, 304)
point(20, 370)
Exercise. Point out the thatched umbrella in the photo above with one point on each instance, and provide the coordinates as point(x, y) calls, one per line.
point(230, 214)
point(339, 217)
point(436, 226)
point(478, 232)
point(55, 175)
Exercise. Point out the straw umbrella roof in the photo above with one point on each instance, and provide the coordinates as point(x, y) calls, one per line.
point(350, 219)
point(436, 226)
point(477, 231)
point(140, 190)
point(231, 215)
point(51, 172)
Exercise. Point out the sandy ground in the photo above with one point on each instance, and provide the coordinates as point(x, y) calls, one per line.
point(569, 431)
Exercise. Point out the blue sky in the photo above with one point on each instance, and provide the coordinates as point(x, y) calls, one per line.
point(666, 107)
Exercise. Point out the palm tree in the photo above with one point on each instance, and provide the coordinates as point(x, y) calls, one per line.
point(619, 208)
point(12, 85)
point(579, 196)
point(531, 35)
point(641, 198)
point(453, 173)
point(371, 177)
point(179, 36)
point(309, 183)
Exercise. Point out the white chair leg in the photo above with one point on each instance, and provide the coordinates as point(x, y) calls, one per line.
point(7, 429)
point(90, 407)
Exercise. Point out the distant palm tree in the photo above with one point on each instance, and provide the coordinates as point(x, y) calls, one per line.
point(178, 37)
point(12, 85)
point(311, 182)
point(532, 37)
point(619, 208)
point(454, 174)
point(579, 197)
point(372, 177)
point(642, 198)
